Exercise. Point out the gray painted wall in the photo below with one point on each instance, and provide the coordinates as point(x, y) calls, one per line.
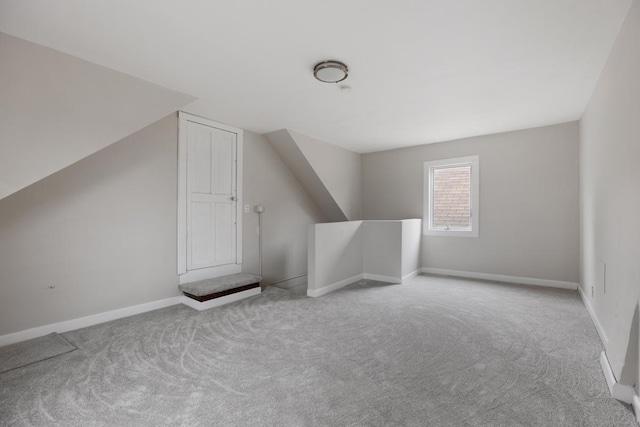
point(296, 161)
point(528, 201)
point(57, 109)
point(610, 196)
point(103, 230)
point(340, 252)
point(338, 168)
point(411, 242)
point(335, 254)
point(382, 248)
point(288, 212)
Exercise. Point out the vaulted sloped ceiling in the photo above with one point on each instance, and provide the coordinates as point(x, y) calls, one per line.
point(56, 109)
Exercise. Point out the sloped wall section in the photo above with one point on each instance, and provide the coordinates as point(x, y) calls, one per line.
point(330, 174)
point(57, 109)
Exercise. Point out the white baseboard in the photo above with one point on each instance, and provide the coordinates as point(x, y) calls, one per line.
point(220, 301)
point(107, 316)
point(380, 278)
point(83, 322)
point(342, 283)
point(290, 283)
point(501, 278)
point(622, 392)
point(636, 407)
point(594, 318)
point(412, 274)
point(334, 286)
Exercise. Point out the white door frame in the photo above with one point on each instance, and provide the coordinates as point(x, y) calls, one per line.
point(204, 273)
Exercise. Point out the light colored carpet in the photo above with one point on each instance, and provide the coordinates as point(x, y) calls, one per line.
point(434, 351)
point(36, 350)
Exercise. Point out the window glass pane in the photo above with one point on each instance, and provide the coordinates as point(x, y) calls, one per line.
point(451, 198)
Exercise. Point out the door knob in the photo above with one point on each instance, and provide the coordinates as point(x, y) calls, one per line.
point(233, 199)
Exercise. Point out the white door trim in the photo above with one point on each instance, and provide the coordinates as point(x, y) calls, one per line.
point(183, 118)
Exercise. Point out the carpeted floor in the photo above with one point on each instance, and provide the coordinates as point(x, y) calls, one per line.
point(24, 353)
point(434, 351)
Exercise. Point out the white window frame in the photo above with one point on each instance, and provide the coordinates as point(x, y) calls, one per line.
point(429, 166)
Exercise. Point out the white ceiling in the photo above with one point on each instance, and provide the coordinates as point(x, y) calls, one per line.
point(421, 70)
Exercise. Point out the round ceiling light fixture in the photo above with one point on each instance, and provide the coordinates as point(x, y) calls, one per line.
point(330, 71)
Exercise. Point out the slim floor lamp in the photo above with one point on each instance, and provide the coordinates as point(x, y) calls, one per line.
point(259, 210)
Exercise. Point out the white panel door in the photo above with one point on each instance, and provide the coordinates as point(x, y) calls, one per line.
point(211, 196)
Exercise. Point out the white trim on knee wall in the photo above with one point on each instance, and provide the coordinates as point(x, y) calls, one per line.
point(411, 275)
point(334, 286)
point(367, 276)
point(381, 278)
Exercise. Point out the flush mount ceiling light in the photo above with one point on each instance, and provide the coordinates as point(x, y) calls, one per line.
point(330, 71)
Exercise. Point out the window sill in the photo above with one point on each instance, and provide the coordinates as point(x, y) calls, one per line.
point(451, 233)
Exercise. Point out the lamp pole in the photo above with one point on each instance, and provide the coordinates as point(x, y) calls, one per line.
point(259, 210)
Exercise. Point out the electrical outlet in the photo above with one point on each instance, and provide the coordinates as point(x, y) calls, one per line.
point(592, 293)
point(247, 208)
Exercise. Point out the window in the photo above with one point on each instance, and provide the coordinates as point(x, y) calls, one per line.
point(451, 191)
